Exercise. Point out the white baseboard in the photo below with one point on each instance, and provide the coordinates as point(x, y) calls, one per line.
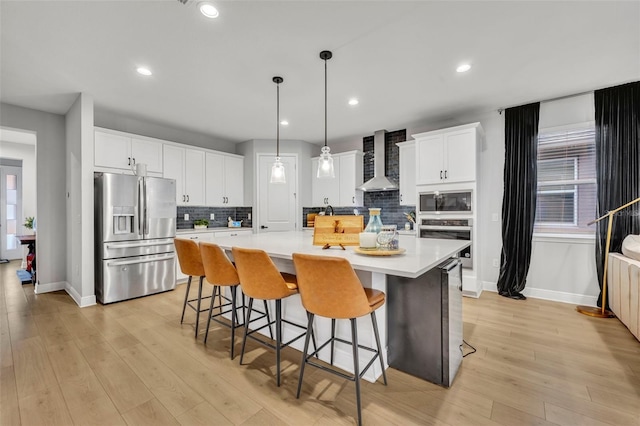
point(40, 288)
point(556, 296)
point(82, 302)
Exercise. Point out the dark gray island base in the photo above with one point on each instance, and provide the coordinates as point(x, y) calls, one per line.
point(424, 323)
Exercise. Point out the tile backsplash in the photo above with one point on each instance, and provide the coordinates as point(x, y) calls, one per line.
point(221, 215)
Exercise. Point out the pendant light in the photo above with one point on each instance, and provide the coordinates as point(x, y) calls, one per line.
point(277, 170)
point(325, 164)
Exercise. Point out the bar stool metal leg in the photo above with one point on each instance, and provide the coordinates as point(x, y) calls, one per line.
point(246, 329)
point(333, 336)
point(199, 301)
point(186, 298)
point(356, 369)
point(234, 317)
point(375, 332)
point(304, 352)
point(266, 310)
point(213, 296)
point(278, 338)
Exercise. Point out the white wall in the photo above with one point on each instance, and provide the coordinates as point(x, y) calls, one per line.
point(79, 183)
point(50, 182)
point(26, 153)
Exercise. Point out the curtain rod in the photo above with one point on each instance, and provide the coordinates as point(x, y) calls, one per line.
point(550, 100)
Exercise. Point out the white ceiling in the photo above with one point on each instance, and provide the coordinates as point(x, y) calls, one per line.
point(397, 57)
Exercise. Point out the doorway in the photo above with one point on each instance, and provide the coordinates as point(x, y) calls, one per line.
point(10, 208)
point(277, 203)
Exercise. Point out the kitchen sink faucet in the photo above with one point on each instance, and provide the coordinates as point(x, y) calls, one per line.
point(326, 210)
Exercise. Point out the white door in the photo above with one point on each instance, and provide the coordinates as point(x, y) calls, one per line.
point(11, 219)
point(277, 204)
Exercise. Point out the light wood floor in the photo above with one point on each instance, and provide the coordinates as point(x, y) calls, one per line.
point(537, 363)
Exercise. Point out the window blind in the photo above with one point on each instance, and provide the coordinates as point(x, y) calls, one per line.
point(566, 197)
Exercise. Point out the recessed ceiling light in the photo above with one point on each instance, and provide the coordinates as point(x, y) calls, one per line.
point(353, 101)
point(284, 122)
point(208, 10)
point(463, 68)
point(144, 71)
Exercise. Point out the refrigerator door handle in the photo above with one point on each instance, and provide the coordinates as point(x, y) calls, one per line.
point(137, 261)
point(140, 244)
point(140, 209)
point(146, 210)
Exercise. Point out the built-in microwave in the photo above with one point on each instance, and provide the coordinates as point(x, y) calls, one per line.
point(445, 202)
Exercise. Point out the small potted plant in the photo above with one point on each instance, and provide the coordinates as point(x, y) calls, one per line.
point(200, 223)
point(28, 222)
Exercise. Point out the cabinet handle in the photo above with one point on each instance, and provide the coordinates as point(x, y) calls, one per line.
point(187, 198)
point(183, 198)
point(128, 161)
point(193, 238)
point(134, 160)
point(226, 200)
point(353, 200)
point(445, 174)
point(400, 197)
point(264, 227)
point(440, 174)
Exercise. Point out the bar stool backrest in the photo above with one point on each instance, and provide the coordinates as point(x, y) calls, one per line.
point(259, 276)
point(329, 287)
point(218, 269)
point(189, 257)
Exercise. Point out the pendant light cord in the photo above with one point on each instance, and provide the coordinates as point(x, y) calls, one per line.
point(278, 120)
point(325, 102)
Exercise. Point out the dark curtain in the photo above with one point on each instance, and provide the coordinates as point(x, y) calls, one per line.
point(617, 166)
point(519, 199)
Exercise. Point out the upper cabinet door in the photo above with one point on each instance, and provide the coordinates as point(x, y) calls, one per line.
point(234, 180)
point(147, 152)
point(194, 177)
point(460, 156)
point(351, 176)
point(173, 168)
point(407, 173)
point(214, 179)
point(112, 151)
point(429, 160)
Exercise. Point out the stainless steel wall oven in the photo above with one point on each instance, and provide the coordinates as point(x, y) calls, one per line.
point(450, 229)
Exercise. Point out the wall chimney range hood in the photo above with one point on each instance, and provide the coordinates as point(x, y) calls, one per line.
point(379, 182)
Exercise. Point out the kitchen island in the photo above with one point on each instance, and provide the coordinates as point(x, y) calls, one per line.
point(407, 271)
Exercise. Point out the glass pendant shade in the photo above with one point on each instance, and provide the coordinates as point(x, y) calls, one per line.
point(325, 164)
point(277, 172)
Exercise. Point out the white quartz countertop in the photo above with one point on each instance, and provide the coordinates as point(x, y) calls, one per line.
point(421, 254)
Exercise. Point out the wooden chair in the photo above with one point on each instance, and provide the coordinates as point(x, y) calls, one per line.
point(191, 265)
point(260, 279)
point(329, 287)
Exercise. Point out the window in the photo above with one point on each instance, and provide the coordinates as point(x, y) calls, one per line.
point(566, 198)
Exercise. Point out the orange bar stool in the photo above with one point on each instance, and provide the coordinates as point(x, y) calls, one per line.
point(330, 288)
point(220, 272)
point(260, 279)
point(191, 265)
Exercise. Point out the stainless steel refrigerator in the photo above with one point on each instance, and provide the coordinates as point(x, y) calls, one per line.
point(135, 224)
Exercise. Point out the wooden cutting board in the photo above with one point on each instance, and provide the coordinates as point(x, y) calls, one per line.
point(337, 230)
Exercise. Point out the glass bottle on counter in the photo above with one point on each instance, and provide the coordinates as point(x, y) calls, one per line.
point(375, 224)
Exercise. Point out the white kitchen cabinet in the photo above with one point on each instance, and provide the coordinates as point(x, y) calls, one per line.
point(186, 166)
point(340, 191)
point(224, 180)
point(118, 150)
point(447, 155)
point(351, 176)
point(325, 191)
point(407, 166)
